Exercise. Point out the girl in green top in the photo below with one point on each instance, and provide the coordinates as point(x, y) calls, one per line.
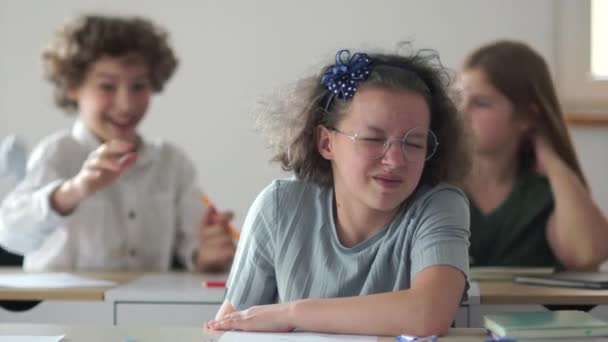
point(530, 205)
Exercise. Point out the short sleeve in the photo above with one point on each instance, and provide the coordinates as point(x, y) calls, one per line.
point(252, 278)
point(442, 236)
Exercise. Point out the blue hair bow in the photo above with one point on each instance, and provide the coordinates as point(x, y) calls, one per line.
point(343, 78)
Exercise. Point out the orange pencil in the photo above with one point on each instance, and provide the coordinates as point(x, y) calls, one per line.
point(233, 232)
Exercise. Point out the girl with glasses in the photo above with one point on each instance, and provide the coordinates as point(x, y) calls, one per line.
point(371, 237)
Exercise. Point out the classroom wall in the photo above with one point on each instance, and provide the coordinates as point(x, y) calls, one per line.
point(232, 52)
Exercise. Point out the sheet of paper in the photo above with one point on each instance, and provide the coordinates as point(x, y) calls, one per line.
point(50, 280)
point(31, 338)
point(238, 336)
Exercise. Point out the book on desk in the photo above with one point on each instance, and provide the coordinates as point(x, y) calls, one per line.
point(585, 280)
point(483, 273)
point(545, 324)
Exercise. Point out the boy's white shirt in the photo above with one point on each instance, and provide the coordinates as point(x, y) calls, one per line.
point(151, 212)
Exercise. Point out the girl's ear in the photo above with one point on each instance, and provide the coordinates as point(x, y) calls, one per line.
point(530, 119)
point(526, 125)
point(529, 127)
point(324, 142)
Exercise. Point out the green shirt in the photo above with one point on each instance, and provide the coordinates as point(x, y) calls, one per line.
point(514, 234)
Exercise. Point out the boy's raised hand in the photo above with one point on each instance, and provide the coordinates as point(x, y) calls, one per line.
point(105, 165)
point(215, 245)
point(101, 169)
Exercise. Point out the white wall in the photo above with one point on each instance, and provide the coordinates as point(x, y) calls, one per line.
point(232, 51)
point(590, 144)
point(579, 90)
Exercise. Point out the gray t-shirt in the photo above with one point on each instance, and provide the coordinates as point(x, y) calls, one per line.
point(290, 250)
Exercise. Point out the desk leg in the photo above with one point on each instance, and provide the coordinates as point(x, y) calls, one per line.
point(462, 317)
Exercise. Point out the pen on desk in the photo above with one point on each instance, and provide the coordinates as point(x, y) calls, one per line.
point(409, 338)
point(214, 283)
point(233, 232)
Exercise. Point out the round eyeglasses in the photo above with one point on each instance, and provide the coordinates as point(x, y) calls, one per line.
point(417, 145)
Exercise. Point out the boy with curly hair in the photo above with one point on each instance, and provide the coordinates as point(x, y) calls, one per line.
point(100, 196)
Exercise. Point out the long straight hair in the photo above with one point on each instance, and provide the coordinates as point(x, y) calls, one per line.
point(522, 76)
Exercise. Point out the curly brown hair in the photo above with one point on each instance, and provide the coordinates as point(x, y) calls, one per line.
point(85, 39)
point(290, 122)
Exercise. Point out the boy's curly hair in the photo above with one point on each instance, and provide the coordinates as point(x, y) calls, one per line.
point(82, 41)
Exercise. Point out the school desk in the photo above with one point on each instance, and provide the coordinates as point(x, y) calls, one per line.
point(76, 305)
point(177, 299)
point(150, 299)
point(158, 334)
point(153, 299)
point(507, 296)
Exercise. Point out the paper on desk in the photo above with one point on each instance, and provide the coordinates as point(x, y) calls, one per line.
point(50, 280)
point(31, 338)
point(234, 336)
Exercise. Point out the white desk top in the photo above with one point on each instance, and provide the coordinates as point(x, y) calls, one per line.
point(168, 287)
point(109, 333)
point(121, 333)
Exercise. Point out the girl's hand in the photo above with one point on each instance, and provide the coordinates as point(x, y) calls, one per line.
point(215, 245)
point(269, 318)
point(545, 154)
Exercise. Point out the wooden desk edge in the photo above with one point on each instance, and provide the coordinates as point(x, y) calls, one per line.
point(70, 293)
point(506, 292)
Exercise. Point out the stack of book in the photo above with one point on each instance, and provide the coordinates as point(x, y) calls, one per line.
point(545, 324)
